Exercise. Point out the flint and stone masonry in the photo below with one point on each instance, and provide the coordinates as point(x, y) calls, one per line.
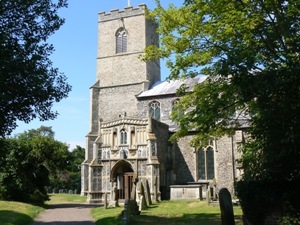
point(130, 123)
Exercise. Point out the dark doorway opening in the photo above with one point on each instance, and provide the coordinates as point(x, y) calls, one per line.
point(122, 174)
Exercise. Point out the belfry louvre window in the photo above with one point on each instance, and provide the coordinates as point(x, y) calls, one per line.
point(154, 110)
point(206, 167)
point(121, 41)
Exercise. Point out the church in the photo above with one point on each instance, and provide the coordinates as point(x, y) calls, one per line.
point(130, 123)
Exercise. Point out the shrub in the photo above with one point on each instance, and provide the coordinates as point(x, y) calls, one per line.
point(259, 199)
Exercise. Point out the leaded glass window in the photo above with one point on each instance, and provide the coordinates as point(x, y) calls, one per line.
point(123, 137)
point(206, 167)
point(154, 110)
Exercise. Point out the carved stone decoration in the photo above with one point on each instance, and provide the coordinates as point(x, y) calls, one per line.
point(132, 152)
point(122, 154)
point(124, 121)
point(114, 152)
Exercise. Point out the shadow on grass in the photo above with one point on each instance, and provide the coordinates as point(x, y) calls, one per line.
point(72, 205)
point(183, 219)
point(11, 217)
point(63, 223)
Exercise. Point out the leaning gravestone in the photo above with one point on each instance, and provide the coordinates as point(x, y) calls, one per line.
point(143, 200)
point(141, 206)
point(227, 216)
point(148, 194)
point(133, 191)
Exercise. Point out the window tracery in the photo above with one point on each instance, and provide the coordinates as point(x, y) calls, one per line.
point(154, 110)
point(121, 40)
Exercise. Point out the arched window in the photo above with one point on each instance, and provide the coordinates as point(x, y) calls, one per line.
point(132, 138)
point(154, 110)
point(206, 167)
point(114, 144)
point(123, 137)
point(176, 109)
point(121, 41)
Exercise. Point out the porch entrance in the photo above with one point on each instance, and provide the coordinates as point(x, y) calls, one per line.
point(124, 193)
point(122, 173)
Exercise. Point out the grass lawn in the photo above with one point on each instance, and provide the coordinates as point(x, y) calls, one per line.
point(17, 213)
point(168, 213)
point(65, 198)
point(164, 212)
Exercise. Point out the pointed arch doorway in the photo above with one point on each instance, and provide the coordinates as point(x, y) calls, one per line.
point(122, 173)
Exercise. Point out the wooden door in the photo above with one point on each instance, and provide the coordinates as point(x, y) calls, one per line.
point(128, 177)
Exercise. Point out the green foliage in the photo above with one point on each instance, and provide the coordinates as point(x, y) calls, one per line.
point(261, 198)
point(249, 51)
point(76, 157)
point(69, 176)
point(29, 84)
point(289, 220)
point(26, 162)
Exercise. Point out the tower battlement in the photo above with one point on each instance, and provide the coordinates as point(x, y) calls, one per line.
point(126, 12)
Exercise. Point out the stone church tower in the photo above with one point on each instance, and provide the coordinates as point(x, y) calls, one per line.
point(122, 146)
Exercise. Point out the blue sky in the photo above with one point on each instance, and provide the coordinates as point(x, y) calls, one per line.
point(75, 55)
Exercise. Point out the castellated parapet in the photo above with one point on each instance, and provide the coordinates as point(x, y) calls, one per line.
point(127, 12)
point(116, 68)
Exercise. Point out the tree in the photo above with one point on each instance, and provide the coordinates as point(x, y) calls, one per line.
point(76, 158)
point(27, 162)
point(29, 84)
point(249, 51)
point(69, 177)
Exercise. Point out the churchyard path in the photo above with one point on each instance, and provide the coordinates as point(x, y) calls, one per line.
point(66, 214)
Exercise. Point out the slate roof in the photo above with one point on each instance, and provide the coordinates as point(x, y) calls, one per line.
point(170, 86)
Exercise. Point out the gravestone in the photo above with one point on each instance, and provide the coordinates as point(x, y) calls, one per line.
point(130, 209)
point(133, 191)
point(214, 185)
point(105, 200)
point(155, 189)
point(141, 205)
point(142, 192)
point(208, 196)
point(148, 194)
point(125, 214)
point(134, 208)
point(227, 216)
point(114, 202)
